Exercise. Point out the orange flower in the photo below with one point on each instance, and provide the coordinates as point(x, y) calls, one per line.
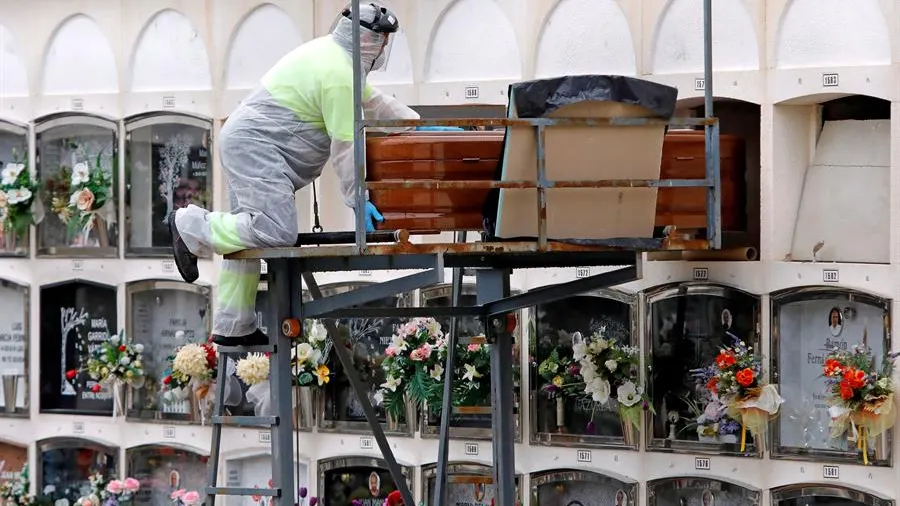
point(855, 378)
point(744, 377)
point(725, 359)
point(713, 385)
point(846, 391)
point(833, 367)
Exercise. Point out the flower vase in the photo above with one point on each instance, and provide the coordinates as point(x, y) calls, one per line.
point(304, 407)
point(560, 415)
point(629, 432)
point(10, 242)
point(202, 408)
point(10, 393)
point(410, 410)
point(118, 394)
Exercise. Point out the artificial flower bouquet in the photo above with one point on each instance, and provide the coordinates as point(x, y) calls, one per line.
point(611, 371)
point(115, 363)
point(711, 419)
point(471, 378)
point(79, 194)
point(115, 493)
point(15, 492)
point(195, 364)
point(861, 396)
point(17, 190)
point(736, 380)
point(309, 358)
point(182, 497)
point(562, 376)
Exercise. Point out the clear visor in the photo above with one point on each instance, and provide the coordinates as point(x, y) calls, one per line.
point(383, 59)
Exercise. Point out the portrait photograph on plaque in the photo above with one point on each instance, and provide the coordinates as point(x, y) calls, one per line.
point(77, 166)
point(689, 326)
point(693, 491)
point(468, 484)
point(168, 166)
point(66, 464)
point(356, 481)
point(13, 458)
point(808, 325)
point(76, 317)
point(163, 470)
point(162, 316)
point(570, 487)
point(255, 471)
point(14, 344)
point(563, 411)
point(18, 182)
point(825, 495)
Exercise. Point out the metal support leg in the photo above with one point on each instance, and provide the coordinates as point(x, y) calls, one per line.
point(492, 285)
point(340, 350)
point(281, 281)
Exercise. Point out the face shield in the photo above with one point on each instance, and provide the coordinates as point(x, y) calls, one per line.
point(381, 62)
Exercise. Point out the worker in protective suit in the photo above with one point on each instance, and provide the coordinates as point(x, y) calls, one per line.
point(275, 143)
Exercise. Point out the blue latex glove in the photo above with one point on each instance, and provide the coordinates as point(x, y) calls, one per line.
point(438, 129)
point(372, 215)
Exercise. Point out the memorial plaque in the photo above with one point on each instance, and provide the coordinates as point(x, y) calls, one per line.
point(699, 492)
point(688, 326)
point(256, 471)
point(67, 465)
point(368, 485)
point(13, 150)
point(554, 325)
point(164, 317)
point(76, 318)
point(584, 493)
point(822, 495)
point(77, 163)
point(169, 168)
point(13, 459)
point(13, 344)
point(467, 485)
point(163, 470)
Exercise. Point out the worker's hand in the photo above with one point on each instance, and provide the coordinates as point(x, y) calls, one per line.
point(438, 129)
point(372, 215)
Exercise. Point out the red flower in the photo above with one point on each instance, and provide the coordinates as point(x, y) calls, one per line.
point(167, 380)
point(745, 377)
point(123, 348)
point(210, 356)
point(854, 378)
point(713, 385)
point(395, 499)
point(95, 388)
point(71, 374)
point(725, 359)
point(833, 367)
point(846, 391)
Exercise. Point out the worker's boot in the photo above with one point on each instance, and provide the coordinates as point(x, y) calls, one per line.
point(185, 261)
point(257, 338)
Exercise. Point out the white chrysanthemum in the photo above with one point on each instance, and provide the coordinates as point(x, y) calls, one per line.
point(191, 361)
point(253, 369)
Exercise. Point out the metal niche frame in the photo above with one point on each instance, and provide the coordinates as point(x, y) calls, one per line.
point(150, 285)
point(432, 431)
point(550, 477)
point(47, 123)
point(650, 297)
point(654, 487)
point(583, 440)
point(471, 469)
point(25, 292)
point(15, 128)
point(338, 463)
point(61, 443)
point(353, 427)
point(779, 299)
point(809, 490)
point(137, 122)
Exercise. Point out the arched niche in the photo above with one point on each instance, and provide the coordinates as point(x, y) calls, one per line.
point(170, 54)
point(14, 150)
point(695, 491)
point(832, 174)
point(75, 315)
point(825, 495)
point(806, 323)
point(163, 469)
point(15, 343)
point(254, 470)
point(343, 479)
point(570, 486)
point(557, 418)
point(831, 33)
point(13, 459)
point(367, 339)
point(66, 464)
point(79, 60)
point(89, 226)
point(467, 483)
point(471, 416)
point(162, 316)
point(265, 35)
point(494, 54)
point(678, 41)
point(13, 72)
point(687, 324)
point(572, 42)
point(168, 165)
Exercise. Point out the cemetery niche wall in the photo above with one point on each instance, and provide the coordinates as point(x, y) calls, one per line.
point(562, 412)
point(19, 183)
point(76, 317)
point(162, 316)
point(468, 484)
point(168, 165)
point(687, 325)
point(14, 349)
point(364, 479)
point(255, 471)
point(77, 161)
point(163, 470)
point(807, 323)
point(825, 495)
point(570, 487)
point(65, 466)
point(694, 491)
point(13, 458)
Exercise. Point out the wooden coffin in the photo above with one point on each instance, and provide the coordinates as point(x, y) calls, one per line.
point(474, 156)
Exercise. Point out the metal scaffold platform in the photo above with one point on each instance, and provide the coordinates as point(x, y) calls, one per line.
point(492, 263)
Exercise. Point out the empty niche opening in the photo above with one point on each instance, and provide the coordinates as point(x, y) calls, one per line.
point(684, 157)
point(832, 179)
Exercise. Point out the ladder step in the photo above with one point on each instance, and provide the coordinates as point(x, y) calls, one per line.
point(471, 410)
point(242, 491)
point(237, 350)
point(257, 421)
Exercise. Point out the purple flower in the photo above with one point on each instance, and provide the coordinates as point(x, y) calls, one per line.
point(591, 427)
point(645, 405)
point(574, 370)
point(303, 492)
point(551, 388)
point(356, 502)
point(313, 501)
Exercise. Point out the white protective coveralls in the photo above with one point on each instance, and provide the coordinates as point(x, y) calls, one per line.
point(275, 143)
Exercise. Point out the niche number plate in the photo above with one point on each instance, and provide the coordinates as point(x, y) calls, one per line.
point(700, 274)
point(831, 472)
point(366, 443)
point(831, 276)
point(701, 464)
point(265, 437)
point(471, 448)
point(584, 456)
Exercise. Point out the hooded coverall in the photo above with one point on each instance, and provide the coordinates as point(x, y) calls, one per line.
point(275, 143)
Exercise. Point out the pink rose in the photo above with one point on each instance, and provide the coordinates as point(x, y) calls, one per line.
point(190, 498)
point(474, 347)
point(86, 502)
point(177, 494)
point(416, 355)
point(425, 349)
point(132, 485)
point(114, 487)
point(410, 328)
point(390, 351)
point(85, 200)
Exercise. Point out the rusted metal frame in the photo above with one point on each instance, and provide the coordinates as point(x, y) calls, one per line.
point(541, 187)
point(405, 312)
point(395, 184)
point(525, 122)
